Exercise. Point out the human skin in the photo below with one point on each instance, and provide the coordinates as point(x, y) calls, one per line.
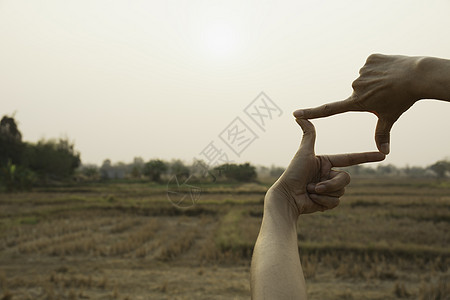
point(389, 85)
point(308, 185)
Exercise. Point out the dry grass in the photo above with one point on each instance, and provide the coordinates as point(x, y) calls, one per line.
point(439, 289)
point(127, 241)
point(136, 239)
point(178, 246)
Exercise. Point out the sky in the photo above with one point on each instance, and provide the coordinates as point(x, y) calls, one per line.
point(183, 79)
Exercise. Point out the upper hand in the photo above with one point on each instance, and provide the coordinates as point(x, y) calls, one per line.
point(309, 183)
point(385, 87)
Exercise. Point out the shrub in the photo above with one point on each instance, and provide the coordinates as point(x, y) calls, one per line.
point(243, 172)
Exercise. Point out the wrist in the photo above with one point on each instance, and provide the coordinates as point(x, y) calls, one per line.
point(433, 78)
point(278, 204)
point(416, 73)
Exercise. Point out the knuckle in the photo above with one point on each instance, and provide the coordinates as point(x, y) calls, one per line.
point(373, 57)
point(347, 178)
point(356, 83)
point(380, 133)
point(362, 70)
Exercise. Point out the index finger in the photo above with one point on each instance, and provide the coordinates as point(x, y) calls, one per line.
point(350, 159)
point(326, 109)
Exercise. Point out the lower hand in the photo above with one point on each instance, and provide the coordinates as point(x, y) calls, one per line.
point(309, 183)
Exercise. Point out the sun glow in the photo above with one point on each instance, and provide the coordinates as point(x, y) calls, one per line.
point(220, 40)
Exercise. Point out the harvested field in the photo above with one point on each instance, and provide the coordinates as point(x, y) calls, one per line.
point(388, 239)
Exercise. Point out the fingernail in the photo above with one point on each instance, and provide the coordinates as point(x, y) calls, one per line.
point(298, 113)
point(385, 148)
point(320, 188)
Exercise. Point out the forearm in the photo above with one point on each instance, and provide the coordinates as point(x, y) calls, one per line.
point(434, 78)
point(276, 272)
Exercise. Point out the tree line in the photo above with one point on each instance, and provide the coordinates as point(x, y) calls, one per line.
point(47, 162)
point(159, 171)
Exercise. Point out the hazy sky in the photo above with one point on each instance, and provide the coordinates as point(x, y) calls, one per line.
point(164, 79)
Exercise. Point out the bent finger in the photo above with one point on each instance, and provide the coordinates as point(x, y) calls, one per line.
point(338, 193)
point(338, 180)
point(325, 201)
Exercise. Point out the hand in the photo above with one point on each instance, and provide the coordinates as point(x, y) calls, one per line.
point(309, 183)
point(387, 86)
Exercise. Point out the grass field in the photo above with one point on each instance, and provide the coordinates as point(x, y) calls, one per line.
point(388, 239)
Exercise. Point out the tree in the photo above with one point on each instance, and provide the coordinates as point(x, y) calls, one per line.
point(136, 167)
point(440, 168)
point(52, 159)
point(11, 146)
point(154, 169)
point(90, 171)
point(178, 168)
point(13, 175)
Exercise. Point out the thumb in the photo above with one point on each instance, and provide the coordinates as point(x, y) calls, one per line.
point(309, 136)
point(382, 135)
